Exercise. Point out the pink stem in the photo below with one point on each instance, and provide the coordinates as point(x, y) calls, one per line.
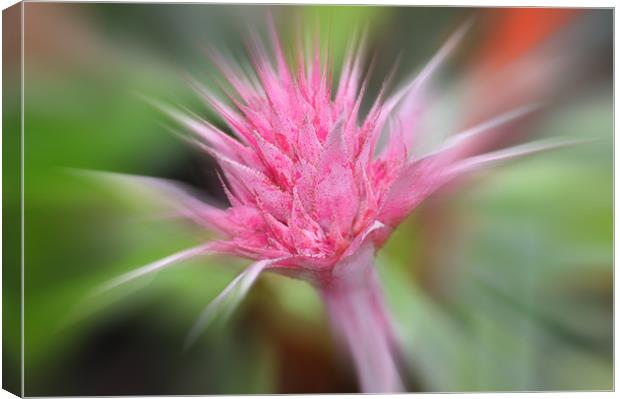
point(354, 301)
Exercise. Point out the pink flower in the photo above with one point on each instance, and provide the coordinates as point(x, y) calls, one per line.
point(315, 188)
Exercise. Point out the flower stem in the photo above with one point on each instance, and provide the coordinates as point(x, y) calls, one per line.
point(354, 301)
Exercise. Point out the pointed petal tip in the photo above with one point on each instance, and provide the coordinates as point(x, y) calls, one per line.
point(492, 158)
point(151, 268)
point(486, 126)
point(228, 299)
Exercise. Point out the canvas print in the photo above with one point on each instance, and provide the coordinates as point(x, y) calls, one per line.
point(215, 199)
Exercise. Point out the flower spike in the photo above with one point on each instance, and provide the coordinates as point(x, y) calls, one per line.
point(310, 195)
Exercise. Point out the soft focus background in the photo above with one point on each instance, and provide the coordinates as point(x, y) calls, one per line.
point(501, 282)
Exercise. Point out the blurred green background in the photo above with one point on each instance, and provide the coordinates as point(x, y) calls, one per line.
point(501, 283)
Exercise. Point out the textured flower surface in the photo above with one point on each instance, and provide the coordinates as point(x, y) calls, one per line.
point(315, 187)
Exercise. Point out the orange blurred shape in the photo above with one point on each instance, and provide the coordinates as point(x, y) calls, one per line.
point(512, 32)
point(508, 69)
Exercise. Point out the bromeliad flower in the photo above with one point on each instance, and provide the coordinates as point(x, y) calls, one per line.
point(315, 188)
